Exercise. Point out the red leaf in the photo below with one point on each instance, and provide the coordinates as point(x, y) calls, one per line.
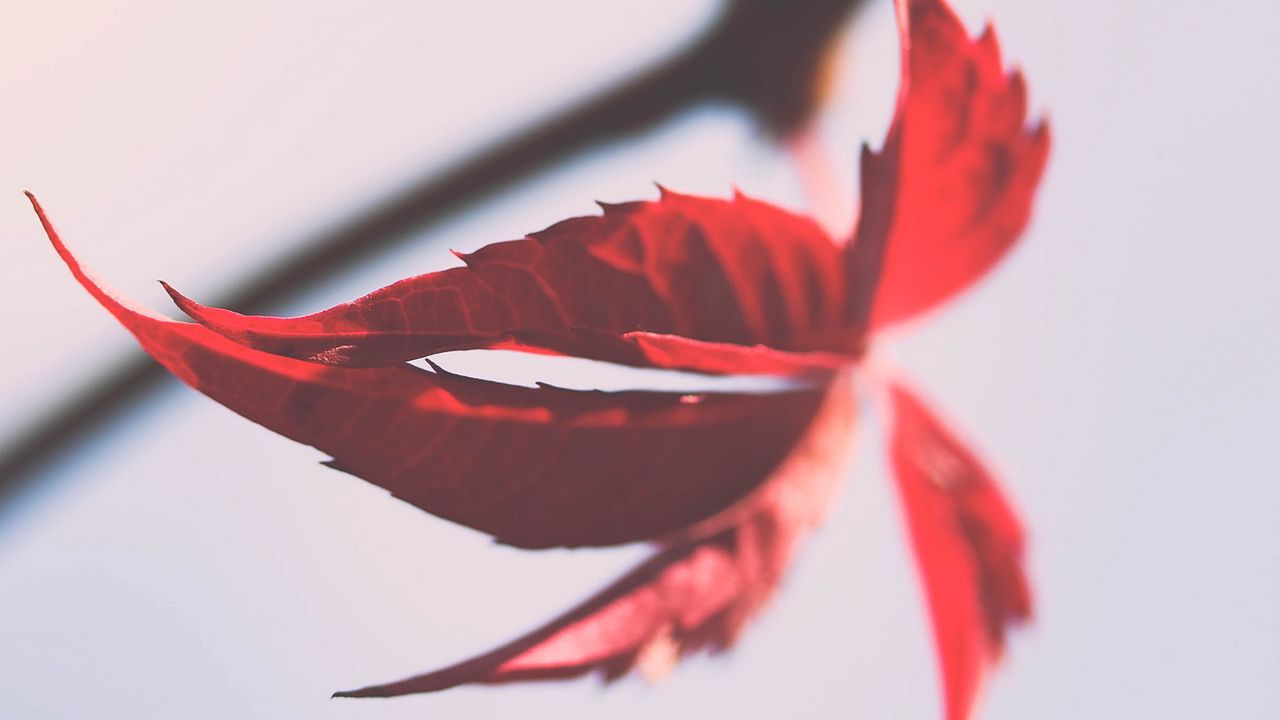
point(737, 273)
point(697, 594)
point(729, 482)
point(952, 188)
point(534, 467)
point(968, 543)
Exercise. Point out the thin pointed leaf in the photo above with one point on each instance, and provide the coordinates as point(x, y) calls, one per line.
point(968, 543)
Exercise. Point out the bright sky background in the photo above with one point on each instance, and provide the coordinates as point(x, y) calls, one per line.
point(1120, 369)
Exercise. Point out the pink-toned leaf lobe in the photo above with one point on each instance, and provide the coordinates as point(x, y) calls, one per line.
point(968, 544)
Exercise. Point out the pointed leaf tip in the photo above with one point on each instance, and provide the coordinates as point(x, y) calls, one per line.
point(968, 544)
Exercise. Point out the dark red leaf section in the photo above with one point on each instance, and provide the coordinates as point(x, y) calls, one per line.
point(968, 543)
point(533, 467)
point(698, 594)
point(952, 188)
point(736, 272)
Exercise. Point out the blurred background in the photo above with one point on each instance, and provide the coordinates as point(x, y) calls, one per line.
point(1119, 370)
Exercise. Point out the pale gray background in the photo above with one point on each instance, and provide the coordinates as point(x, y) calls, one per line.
point(1119, 370)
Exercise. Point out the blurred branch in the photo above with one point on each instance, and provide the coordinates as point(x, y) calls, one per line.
point(764, 55)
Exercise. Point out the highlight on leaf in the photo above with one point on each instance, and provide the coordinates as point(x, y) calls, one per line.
point(724, 484)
